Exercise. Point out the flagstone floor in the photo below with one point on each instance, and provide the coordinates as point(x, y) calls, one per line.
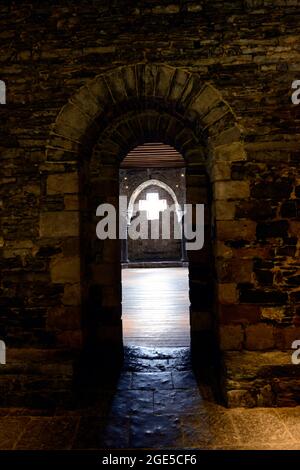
point(155, 403)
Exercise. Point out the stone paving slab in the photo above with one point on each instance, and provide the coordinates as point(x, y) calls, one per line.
point(11, 428)
point(177, 401)
point(259, 426)
point(212, 427)
point(184, 379)
point(129, 402)
point(152, 381)
point(149, 408)
point(48, 433)
point(155, 432)
point(98, 433)
point(291, 419)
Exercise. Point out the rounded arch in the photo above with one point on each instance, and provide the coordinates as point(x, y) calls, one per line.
point(108, 116)
point(135, 128)
point(146, 184)
point(173, 90)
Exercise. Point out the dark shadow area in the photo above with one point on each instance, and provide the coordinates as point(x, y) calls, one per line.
point(151, 395)
point(206, 362)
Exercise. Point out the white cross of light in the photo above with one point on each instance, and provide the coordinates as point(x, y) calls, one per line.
point(153, 205)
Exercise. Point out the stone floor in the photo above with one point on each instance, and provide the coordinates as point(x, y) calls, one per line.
point(156, 307)
point(155, 403)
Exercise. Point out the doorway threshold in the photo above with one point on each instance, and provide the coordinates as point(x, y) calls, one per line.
point(155, 264)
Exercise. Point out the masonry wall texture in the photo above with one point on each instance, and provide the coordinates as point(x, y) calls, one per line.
point(222, 97)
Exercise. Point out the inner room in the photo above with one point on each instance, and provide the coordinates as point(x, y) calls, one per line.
point(155, 290)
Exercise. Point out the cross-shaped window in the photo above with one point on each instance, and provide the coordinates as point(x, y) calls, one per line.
point(153, 205)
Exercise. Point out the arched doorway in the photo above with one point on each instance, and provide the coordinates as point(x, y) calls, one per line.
point(110, 115)
point(155, 292)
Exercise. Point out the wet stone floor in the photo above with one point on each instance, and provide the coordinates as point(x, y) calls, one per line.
point(156, 402)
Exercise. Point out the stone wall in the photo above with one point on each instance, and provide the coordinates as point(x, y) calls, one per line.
point(221, 96)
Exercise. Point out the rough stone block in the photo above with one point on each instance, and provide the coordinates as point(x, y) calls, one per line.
point(286, 336)
point(234, 271)
point(230, 152)
point(249, 252)
point(165, 10)
point(63, 183)
point(129, 77)
point(224, 210)
point(237, 398)
point(100, 91)
point(60, 155)
point(227, 293)
point(228, 136)
point(273, 313)
point(65, 270)
point(115, 83)
point(260, 337)
point(222, 251)
point(242, 272)
point(205, 100)
point(59, 224)
point(231, 337)
point(220, 171)
point(72, 118)
point(239, 313)
point(71, 202)
point(294, 228)
point(179, 83)
point(236, 230)
point(231, 189)
point(215, 114)
point(85, 100)
point(164, 80)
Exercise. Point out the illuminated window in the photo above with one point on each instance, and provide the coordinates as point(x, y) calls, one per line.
point(153, 205)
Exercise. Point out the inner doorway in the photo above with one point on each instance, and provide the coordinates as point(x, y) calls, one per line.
point(155, 286)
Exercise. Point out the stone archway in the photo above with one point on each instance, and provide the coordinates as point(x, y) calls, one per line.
point(108, 116)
